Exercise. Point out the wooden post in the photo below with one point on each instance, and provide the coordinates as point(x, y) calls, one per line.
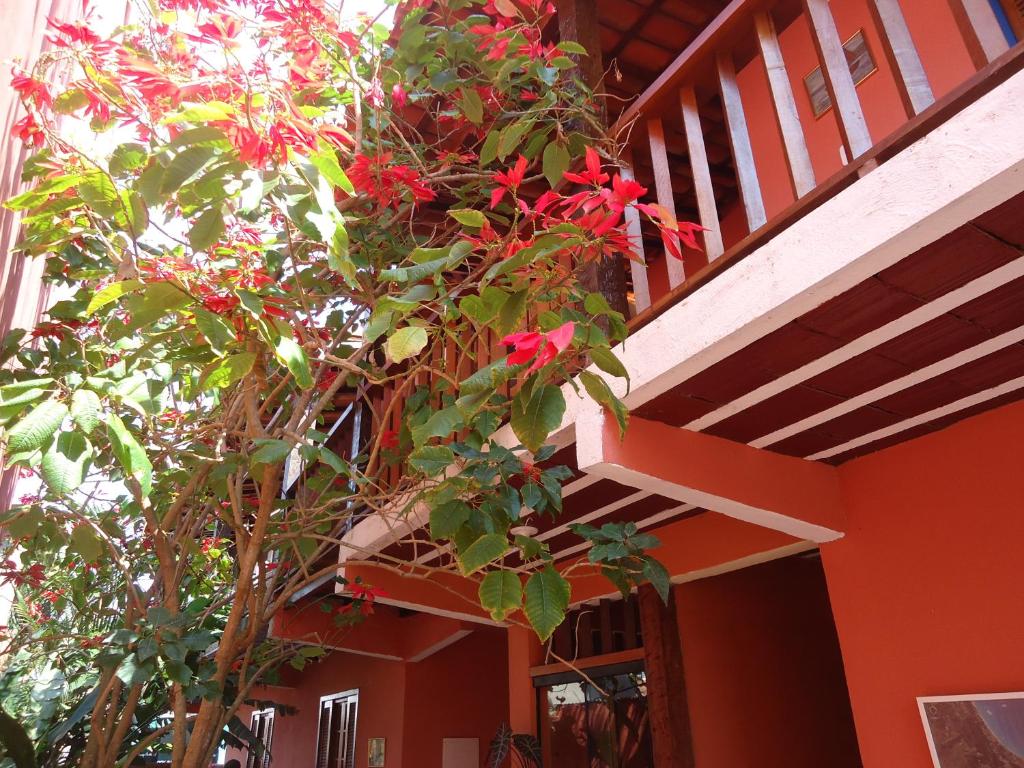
point(801, 172)
point(663, 190)
point(638, 269)
point(911, 79)
point(524, 651)
point(667, 710)
point(838, 80)
point(702, 185)
point(739, 140)
point(980, 29)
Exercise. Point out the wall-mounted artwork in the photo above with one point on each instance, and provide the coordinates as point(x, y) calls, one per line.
point(861, 65)
point(984, 729)
point(375, 752)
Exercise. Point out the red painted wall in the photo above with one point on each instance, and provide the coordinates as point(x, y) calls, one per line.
point(926, 586)
point(460, 691)
point(763, 670)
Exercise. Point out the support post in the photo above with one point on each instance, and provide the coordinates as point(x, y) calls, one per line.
point(911, 79)
point(638, 269)
point(702, 185)
point(980, 29)
point(667, 709)
point(739, 141)
point(524, 651)
point(663, 189)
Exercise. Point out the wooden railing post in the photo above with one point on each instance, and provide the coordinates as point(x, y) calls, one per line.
point(702, 186)
point(980, 29)
point(739, 140)
point(638, 270)
point(663, 189)
point(801, 171)
point(911, 79)
point(838, 80)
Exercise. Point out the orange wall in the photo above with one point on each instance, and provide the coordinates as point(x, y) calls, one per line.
point(926, 586)
point(460, 691)
point(763, 670)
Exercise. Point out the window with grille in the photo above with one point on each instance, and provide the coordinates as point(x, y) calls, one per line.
point(336, 735)
point(262, 727)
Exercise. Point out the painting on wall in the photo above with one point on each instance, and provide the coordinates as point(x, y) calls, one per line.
point(858, 57)
point(984, 729)
point(375, 753)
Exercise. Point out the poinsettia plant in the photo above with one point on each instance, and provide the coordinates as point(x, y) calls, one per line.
point(311, 273)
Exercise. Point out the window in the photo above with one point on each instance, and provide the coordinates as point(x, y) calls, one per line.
point(262, 727)
point(336, 735)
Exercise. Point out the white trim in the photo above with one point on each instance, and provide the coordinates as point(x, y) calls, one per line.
point(897, 385)
point(647, 522)
point(578, 485)
point(911, 320)
point(353, 651)
point(440, 645)
point(936, 413)
point(607, 509)
point(459, 615)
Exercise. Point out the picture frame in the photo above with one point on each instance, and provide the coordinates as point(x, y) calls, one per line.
point(376, 752)
point(862, 66)
point(963, 729)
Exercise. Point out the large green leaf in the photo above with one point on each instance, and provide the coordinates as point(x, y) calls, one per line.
point(130, 453)
point(483, 551)
point(598, 389)
point(64, 463)
point(218, 333)
point(406, 342)
point(207, 229)
point(326, 162)
point(555, 162)
point(472, 106)
point(501, 592)
point(536, 413)
point(87, 543)
point(186, 165)
point(291, 354)
point(111, 293)
point(100, 193)
point(85, 409)
point(547, 598)
point(447, 518)
point(36, 429)
point(468, 217)
point(226, 372)
point(431, 460)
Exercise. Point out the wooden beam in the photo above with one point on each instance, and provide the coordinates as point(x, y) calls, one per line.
point(796, 497)
point(578, 22)
point(739, 140)
point(801, 171)
point(638, 269)
point(980, 30)
point(667, 707)
point(663, 189)
point(705, 191)
point(911, 79)
point(841, 89)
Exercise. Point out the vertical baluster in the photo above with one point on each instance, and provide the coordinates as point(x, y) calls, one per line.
point(702, 186)
point(638, 269)
point(911, 79)
point(838, 80)
point(801, 171)
point(980, 29)
point(663, 189)
point(739, 140)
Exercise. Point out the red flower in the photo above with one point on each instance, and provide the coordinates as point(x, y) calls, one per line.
point(544, 347)
point(29, 131)
point(387, 184)
point(593, 174)
point(509, 180)
point(389, 439)
point(398, 95)
point(221, 304)
point(30, 89)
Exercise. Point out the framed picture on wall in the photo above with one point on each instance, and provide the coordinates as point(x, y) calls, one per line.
point(375, 752)
point(985, 729)
point(861, 64)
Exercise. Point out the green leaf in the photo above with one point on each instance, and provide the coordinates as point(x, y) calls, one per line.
point(204, 112)
point(227, 371)
point(512, 136)
point(100, 193)
point(270, 452)
point(501, 592)
point(447, 518)
point(158, 300)
point(483, 551)
point(471, 105)
point(36, 429)
point(468, 217)
point(139, 214)
point(326, 162)
point(63, 465)
point(85, 542)
point(606, 360)
point(207, 229)
point(536, 413)
point(555, 162)
point(547, 598)
point(571, 46)
point(512, 312)
point(291, 354)
point(431, 460)
point(489, 151)
point(186, 165)
point(17, 745)
point(218, 333)
point(127, 157)
point(85, 409)
point(440, 424)
point(598, 389)
point(111, 293)
point(406, 342)
point(656, 574)
point(130, 454)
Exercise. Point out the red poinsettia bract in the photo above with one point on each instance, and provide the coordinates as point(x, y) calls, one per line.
point(542, 348)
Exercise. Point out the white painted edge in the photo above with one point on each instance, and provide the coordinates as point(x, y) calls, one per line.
point(963, 357)
point(647, 522)
point(453, 638)
point(607, 509)
point(353, 651)
point(419, 608)
point(936, 413)
point(911, 320)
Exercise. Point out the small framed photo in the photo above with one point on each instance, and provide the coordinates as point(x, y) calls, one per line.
point(376, 753)
point(974, 730)
point(861, 64)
